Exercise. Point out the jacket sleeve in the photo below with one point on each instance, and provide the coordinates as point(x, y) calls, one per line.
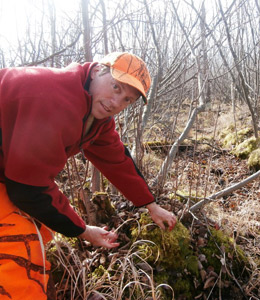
point(112, 158)
point(48, 205)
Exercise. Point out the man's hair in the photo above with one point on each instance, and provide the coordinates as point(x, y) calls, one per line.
point(104, 70)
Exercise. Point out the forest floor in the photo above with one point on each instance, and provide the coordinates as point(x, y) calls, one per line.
point(199, 170)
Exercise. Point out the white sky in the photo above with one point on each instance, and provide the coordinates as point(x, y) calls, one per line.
point(14, 14)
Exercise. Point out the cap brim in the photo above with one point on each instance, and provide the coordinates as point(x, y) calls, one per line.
point(130, 80)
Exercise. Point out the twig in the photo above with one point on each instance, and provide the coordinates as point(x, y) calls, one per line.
point(224, 192)
point(34, 63)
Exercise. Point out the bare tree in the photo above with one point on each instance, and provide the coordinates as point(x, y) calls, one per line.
point(86, 30)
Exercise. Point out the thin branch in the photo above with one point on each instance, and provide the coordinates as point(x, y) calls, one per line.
point(224, 192)
point(56, 53)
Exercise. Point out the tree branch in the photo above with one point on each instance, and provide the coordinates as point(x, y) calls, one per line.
point(224, 192)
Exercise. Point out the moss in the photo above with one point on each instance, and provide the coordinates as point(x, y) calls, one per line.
point(169, 252)
point(229, 137)
point(244, 149)
point(192, 264)
point(170, 248)
point(230, 140)
point(183, 196)
point(254, 160)
point(226, 131)
point(182, 287)
point(220, 243)
point(157, 146)
point(53, 254)
point(99, 272)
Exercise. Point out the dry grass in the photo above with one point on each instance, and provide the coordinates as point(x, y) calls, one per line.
point(114, 277)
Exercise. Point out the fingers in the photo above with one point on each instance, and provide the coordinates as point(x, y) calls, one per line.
point(172, 222)
point(166, 220)
point(109, 239)
point(110, 236)
point(98, 236)
point(110, 245)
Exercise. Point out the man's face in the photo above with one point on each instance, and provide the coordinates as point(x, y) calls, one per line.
point(109, 95)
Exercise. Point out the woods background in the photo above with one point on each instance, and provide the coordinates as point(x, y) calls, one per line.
point(204, 60)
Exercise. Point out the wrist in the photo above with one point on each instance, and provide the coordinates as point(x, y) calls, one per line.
point(84, 233)
point(151, 206)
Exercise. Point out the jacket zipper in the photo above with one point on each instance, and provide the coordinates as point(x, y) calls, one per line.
point(86, 140)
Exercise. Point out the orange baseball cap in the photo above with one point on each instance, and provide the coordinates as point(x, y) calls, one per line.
point(130, 69)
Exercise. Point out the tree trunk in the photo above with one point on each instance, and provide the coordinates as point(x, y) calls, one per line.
point(86, 31)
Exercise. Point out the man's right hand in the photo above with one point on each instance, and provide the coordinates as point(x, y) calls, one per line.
point(98, 236)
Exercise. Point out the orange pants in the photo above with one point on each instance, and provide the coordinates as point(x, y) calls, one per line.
point(24, 270)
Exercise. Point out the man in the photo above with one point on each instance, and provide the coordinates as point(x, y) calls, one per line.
point(46, 116)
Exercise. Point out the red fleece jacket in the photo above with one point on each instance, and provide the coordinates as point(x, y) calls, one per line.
point(43, 113)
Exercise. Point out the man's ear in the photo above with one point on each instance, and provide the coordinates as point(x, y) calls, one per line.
point(95, 71)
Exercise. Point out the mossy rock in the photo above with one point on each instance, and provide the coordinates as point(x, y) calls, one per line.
point(244, 149)
point(169, 248)
point(169, 252)
point(254, 160)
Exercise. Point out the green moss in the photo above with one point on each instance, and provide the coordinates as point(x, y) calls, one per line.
point(170, 252)
point(254, 160)
point(226, 131)
point(218, 244)
point(182, 287)
point(99, 272)
point(229, 140)
point(192, 264)
point(156, 146)
point(184, 195)
point(170, 248)
point(244, 149)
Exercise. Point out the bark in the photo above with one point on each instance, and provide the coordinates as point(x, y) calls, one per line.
point(104, 18)
point(86, 30)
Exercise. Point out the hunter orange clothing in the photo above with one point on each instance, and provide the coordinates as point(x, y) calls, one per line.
point(24, 270)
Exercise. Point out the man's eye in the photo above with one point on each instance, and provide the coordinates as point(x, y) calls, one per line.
point(115, 86)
